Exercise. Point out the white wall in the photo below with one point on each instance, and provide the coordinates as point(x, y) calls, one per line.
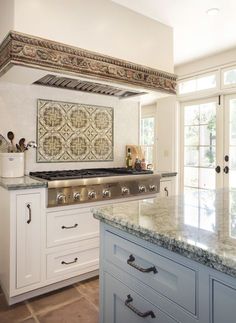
point(206, 63)
point(97, 25)
point(6, 17)
point(165, 112)
point(18, 113)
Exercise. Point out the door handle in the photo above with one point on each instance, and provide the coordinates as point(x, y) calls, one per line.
point(226, 169)
point(217, 169)
point(131, 262)
point(30, 213)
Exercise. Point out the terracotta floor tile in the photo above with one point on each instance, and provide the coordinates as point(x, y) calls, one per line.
point(90, 289)
point(30, 320)
point(48, 301)
point(14, 313)
point(80, 311)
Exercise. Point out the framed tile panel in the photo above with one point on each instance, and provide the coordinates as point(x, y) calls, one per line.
point(69, 132)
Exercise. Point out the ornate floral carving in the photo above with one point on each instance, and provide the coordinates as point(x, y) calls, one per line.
point(38, 52)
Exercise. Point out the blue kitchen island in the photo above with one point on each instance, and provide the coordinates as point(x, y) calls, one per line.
point(169, 259)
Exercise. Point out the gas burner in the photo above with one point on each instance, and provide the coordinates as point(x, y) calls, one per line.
point(97, 184)
point(87, 173)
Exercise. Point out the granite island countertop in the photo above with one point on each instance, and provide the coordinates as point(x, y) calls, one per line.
point(19, 183)
point(200, 225)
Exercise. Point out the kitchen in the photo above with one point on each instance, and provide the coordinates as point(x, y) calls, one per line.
point(21, 104)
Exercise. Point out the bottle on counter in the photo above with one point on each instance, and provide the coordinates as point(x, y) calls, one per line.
point(129, 159)
point(143, 164)
point(137, 164)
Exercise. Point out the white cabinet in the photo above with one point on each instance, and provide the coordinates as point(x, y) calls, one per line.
point(167, 186)
point(21, 256)
point(28, 243)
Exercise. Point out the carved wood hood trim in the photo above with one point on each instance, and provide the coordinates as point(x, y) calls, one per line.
point(27, 50)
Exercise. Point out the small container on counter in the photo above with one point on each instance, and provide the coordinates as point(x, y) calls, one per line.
point(12, 164)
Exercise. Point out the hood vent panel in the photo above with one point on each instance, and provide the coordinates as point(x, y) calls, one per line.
point(85, 86)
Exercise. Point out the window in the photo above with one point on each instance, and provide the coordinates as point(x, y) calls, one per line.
point(198, 84)
point(147, 138)
point(229, 77)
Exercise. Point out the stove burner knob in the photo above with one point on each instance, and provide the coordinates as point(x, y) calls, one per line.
point(76, 196)
point(124, 190)
point(61, 198)
point(152, 188)
point(92, 195)
point(142, 189)
point(106, 193)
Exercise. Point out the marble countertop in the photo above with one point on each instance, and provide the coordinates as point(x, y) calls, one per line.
point(18, 183)
point(200, 225)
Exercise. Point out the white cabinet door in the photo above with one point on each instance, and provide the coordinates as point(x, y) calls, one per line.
point(28, 250)
point(166, 188)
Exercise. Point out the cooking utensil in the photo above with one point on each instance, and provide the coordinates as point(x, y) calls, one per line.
point(22, 144)
point(31, 144)
point(3, 144)
point(10, 136)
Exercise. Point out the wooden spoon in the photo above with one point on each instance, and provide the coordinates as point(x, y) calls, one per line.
point(22, 144)
point(10, 136)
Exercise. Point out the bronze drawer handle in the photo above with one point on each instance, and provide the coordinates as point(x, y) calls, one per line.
point(132, 308)
point(72, 227)
point(131, 260)
point(70, 262)
point(30, 213)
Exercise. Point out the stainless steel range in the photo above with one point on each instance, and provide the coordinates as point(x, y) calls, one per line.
point(97, 184)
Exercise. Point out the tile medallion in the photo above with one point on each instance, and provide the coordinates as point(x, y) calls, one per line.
point(69, 132)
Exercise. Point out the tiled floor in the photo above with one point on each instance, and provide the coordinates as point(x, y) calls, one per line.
point(74, 304)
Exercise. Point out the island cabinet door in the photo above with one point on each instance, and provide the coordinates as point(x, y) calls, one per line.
point(122, 305)
point(224, 303)
point(28, 239)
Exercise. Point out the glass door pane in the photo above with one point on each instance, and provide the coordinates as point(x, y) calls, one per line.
point(230, 141)
point(200, 144)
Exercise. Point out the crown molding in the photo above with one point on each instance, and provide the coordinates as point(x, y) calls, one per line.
point(30, 51)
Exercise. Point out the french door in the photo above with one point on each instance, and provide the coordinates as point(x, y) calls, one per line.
point(209, 143)
point(202, 144)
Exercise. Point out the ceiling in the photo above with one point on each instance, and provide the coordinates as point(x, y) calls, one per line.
point(195, 33)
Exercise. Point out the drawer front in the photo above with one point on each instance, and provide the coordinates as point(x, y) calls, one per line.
point(70, 226)
point(122, 304)
point(174, 281)
point(73, 262)
point(224, 303)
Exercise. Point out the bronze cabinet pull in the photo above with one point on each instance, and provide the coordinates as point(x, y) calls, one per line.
point(70, 262)
point(135, 310)
point(30, 213)
point(72, 227)
point(166, 190)
point(131, 260)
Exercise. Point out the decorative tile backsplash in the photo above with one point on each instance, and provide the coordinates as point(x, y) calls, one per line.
point(69, 132)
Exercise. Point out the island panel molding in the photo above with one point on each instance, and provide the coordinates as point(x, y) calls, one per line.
point(26, 50)
point(74, 132)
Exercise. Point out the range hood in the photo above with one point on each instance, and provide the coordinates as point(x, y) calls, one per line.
point(73, 68)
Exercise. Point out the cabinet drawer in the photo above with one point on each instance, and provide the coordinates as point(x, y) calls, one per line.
point(70, 226)
point(73, 262)
point(122, 304)
point(170, 279)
